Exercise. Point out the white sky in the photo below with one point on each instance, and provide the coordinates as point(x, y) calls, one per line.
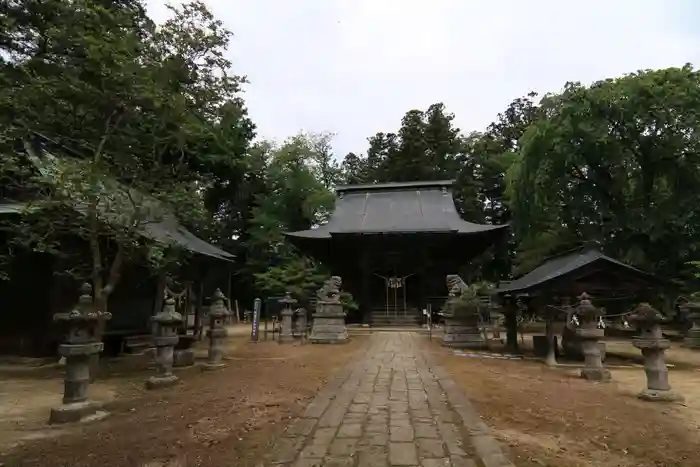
point(354, 67)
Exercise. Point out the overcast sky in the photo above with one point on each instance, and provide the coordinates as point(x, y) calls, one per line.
point(354, 67)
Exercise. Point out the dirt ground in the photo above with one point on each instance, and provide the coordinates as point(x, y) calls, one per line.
point(223, 418)
point(551, 417)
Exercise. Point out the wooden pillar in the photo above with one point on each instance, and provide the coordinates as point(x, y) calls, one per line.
point(511, 315)
point(364, 302)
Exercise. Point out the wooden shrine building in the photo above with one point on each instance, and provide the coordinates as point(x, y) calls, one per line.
point(393, 244)
point(560, 279)
point(584, 269)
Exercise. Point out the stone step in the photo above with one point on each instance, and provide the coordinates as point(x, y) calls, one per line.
point(395, 313)
point(416, 316)
point(395, 323)
point(376, 329)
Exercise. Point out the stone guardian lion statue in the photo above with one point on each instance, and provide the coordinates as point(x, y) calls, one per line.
point(330, 291)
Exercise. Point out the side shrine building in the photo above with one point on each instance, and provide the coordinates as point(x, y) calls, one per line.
point(393, 244)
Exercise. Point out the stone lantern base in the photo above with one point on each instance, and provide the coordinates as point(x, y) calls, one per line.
point(165, 381)
point(657, 395)
point(596, 374)
point(209, 366)
point(286, 334)
point(77, 412)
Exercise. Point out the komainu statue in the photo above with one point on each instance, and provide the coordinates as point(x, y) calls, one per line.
point(455, 285)
point(330, 292)
point(462, 314)
point(329, 320)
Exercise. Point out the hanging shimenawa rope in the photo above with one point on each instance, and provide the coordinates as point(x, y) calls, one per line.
point(177, 296)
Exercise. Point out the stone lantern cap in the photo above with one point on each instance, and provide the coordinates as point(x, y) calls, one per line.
point(168, 315)
point(84, 312)
point(217, 308)
point(287, 299)
point(585, 308)
point(649, 320)
point(645, 314)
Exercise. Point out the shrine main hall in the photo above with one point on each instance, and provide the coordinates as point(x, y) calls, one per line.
point(393, 244)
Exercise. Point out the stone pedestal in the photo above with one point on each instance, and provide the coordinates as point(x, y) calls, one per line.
point(653, 346)
point(590, 336)
point(216, 333)
point(286, 332)
point(165, 338)
point(329, 324)
point(79, 347)
point(463, 333)
point(692, 337)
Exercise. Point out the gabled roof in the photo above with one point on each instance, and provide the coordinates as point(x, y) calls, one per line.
point(406, 207)
point(163, 228)
point(560, 266)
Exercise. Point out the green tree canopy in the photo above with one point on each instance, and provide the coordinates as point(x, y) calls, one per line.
point(143, 112)
point(617, 162)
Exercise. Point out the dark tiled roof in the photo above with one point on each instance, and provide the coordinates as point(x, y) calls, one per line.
point(564, 264)
point(407, 207)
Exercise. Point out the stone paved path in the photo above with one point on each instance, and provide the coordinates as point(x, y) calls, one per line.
point(392, 407)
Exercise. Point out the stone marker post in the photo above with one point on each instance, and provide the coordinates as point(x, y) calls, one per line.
point(692, 337)
point(164, 340)
point(80, 343)
point(590, 335)
point(653, 345)
point(286, 331)
point(329, 320)
point(255, 324)
point(216, 332)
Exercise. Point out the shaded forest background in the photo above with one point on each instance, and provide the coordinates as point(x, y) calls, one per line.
point(160, 108)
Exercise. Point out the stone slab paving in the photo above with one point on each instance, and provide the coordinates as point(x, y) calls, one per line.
point(392, 407)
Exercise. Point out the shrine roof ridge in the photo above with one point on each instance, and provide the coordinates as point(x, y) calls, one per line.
point(394, 186)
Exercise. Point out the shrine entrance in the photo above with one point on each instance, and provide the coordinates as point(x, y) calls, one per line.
point(395, 294)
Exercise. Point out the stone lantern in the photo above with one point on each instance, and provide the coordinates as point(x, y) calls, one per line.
point(590, 335)
point(164, 340)
point(653, 345)
point(81, 341)
point(286, 331)
point(692, 338)
point(216, 332)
